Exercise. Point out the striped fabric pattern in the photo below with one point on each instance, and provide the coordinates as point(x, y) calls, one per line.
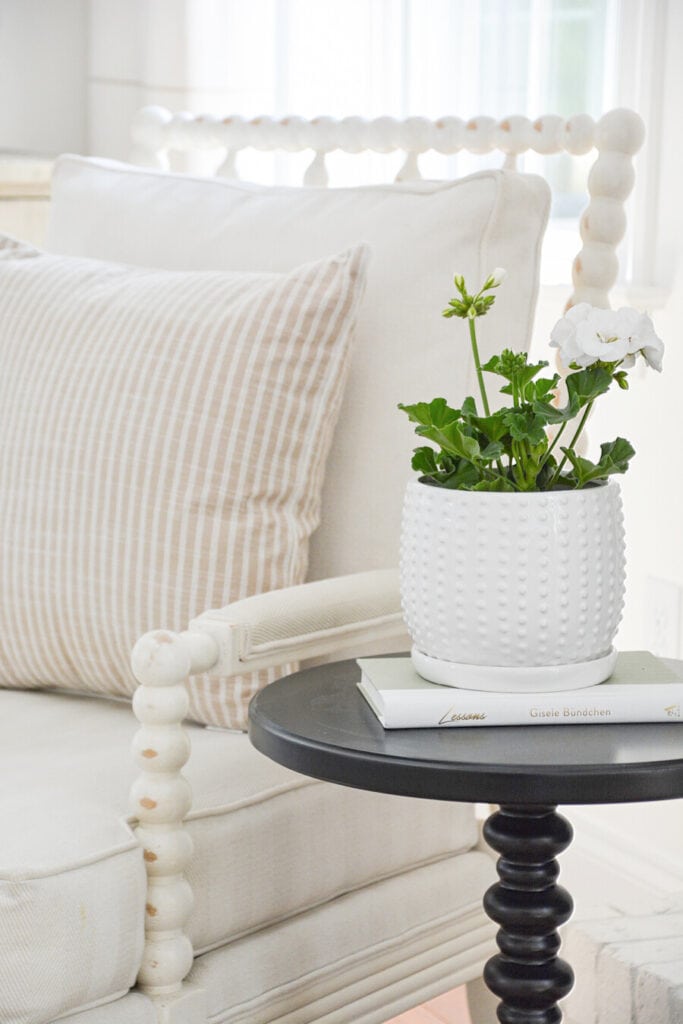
point(163, 437)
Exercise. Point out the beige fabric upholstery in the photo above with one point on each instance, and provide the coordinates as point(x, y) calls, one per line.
point(133, 1008)
point(420, 233)
point(318, 618)
point(163, 437)
point(269, 845)
point(361, 958)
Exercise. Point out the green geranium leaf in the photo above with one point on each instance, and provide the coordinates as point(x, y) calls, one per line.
point(501, 483)
point(582, 387)
point(469, 408)
point(550, 414)
point(446, 463)
point(527, 374)
point(526, 425)
point(539, 390)
point(583, 470)
point(444, 470)
point(492, 451)
point(493, 427)
point(616, 455)
point(424, 461)
point(614, 458)
point(435, 413)
point(493, 365)
point(463, 478)
point(585, 385)
point(546, 473)
point(452, 439)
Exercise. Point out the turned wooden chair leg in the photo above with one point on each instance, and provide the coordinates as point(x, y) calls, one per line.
point(160, 799)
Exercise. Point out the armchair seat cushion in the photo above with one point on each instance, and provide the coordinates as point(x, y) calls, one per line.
point(269, 845)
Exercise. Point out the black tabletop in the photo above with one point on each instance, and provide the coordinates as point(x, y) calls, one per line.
point(317, 723)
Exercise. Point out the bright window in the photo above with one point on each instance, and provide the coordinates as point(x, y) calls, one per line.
point(430, 58)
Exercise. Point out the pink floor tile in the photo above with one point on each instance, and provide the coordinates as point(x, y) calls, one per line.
point(450, 1008)
point(418, 1016)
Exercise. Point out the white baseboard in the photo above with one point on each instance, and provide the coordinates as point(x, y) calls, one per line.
point(625, 864)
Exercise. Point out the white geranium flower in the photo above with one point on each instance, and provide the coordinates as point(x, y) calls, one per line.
point(586, 335)
point(563, 334)
point(645, 340)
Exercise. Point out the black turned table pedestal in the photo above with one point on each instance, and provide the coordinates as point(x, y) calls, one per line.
point(527, 974)
point(317, 723)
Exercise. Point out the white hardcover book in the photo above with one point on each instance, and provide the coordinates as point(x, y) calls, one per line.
point(642, 688)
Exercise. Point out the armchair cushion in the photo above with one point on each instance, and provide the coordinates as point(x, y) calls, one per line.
point(269, 846)
point(421, 234)
point(162, 445)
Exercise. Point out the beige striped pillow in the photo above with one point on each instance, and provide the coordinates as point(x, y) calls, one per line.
point(163, 437)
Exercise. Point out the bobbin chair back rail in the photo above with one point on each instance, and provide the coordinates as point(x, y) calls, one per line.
point(616, 137)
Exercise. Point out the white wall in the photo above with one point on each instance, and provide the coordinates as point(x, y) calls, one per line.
point(74, 72)
point(653, 487)
point(650, 415)
point(136, 56)
point(643, 841)
point(42, 75)
point(181, 54)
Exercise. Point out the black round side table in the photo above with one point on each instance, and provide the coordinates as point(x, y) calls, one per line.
point(316, 722)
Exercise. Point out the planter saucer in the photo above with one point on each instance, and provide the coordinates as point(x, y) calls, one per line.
point(515, 679)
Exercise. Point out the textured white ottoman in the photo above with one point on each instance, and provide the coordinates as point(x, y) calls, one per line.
point(629, 967)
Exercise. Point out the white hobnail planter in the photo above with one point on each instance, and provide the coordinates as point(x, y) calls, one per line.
point(513, 591)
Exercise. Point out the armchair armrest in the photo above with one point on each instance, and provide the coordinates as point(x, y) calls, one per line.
point(273, 629)
point(323, 618)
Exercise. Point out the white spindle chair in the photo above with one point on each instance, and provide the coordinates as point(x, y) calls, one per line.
point(321, 620)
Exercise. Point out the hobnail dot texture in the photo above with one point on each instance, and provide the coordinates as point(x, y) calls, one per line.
point(512, 579)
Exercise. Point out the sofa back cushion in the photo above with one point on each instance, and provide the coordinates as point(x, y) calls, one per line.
point(163, 436)
point(421, 235)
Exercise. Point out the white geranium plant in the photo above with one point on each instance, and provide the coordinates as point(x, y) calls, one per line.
point(511, 449)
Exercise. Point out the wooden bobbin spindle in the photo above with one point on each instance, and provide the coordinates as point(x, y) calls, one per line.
point(161, 798)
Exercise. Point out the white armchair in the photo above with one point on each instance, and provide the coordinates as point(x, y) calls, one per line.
point(304, 910)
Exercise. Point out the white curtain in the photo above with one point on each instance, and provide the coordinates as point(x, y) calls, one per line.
point(369, 57)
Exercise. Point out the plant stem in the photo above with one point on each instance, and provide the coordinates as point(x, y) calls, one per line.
point(477, 363)
point(571, 444)
point(547, 455)
point(517, 449)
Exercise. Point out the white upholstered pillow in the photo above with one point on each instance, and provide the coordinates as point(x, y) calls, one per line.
point(421, 234)
point(162, 445)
